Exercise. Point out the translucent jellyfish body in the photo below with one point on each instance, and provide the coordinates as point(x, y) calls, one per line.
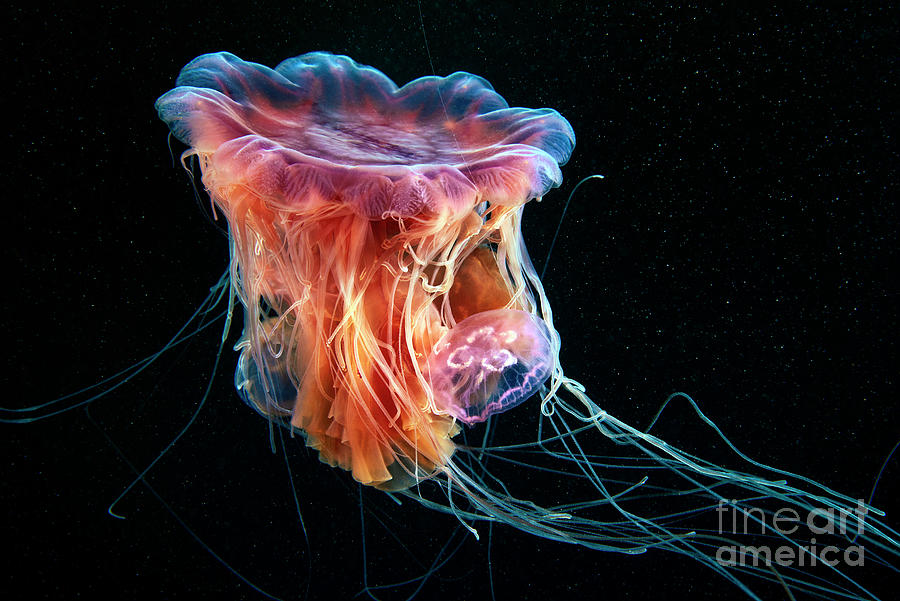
point(489, 363)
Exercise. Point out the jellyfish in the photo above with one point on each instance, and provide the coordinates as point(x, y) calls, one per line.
point(371, 228)
point(391, 310)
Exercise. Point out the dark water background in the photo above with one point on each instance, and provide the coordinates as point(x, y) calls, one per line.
point(739, 250)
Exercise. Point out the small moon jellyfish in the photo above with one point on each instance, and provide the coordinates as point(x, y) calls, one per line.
point(489, 363)
point(390, 306)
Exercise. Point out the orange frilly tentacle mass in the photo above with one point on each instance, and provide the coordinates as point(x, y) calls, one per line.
point(366, 220)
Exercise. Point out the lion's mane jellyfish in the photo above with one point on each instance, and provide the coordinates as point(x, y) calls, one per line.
point(368, 222)
point(390, 303)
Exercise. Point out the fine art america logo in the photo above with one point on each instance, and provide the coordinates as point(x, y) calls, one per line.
point(784, 525)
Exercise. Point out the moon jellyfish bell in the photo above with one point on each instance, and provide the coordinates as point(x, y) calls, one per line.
point(489, 363)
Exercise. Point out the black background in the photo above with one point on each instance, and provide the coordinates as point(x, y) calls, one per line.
point(739, 250)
